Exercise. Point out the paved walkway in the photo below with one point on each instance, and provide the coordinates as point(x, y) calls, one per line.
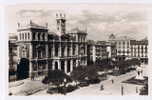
point(26, 87)
point(109, 88)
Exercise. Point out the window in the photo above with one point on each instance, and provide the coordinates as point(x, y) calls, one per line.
point(43, 36)
point(28, 35)
point(34, 36)
point(56, 50)
point(23, 36)
point(20, 36)
point(38, 36)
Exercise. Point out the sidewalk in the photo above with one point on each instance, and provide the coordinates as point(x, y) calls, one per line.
point(26, 87)
point(109, 88)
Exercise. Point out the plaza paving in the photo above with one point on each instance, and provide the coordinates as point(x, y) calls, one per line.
point(109, 88)
point(37, 88)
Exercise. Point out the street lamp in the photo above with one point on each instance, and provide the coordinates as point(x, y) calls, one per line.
point(65, 80)
point(122, 90)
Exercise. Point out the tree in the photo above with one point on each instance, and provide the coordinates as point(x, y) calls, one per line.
point(56, 77)
point(81, 72)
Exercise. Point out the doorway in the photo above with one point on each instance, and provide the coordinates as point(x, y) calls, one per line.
point(23, 69)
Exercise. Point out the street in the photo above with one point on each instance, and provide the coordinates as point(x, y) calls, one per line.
point(109, 88)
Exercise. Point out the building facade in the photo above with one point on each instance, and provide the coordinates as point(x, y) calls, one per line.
point(139, 49)
point(122, 45)
point(98, 50)
point(13, 60)
point(38, 51)
point(130, 48)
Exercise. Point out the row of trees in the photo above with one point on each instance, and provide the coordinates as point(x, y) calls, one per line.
point(121, 64)
point(90, 72)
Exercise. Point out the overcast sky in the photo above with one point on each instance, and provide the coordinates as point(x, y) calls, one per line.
point(101, 20)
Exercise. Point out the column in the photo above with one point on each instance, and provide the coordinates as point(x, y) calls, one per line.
point(18, 53)
point(77, 62)
point(77, 46)
point(65, 51)
point(59, 65)
point(46, 51)
point(30, 57)
point(71, 65)
point(65, 66)
point(94, 53)
point(53, 65)
point(30, 51)
point(85, 49)
point(30, 69)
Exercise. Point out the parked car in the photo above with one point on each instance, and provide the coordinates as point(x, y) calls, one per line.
point(52, 90)
point(94, 81)
point(70, 88)
point(83, 83)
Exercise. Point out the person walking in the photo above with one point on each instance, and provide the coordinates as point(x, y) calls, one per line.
point(112, 81)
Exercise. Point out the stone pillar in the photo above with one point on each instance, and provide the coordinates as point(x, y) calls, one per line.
point(59, 65)
point(65, 66)
point(77, 49)
point(30, 69)
point(71, 65)
point(18, 53)
point(85, 49)
point(30, 57)
point(109, 51)
point(46, 52)
point(53, 65)
point(94, 53)
point(77, 62)
point(65, 51)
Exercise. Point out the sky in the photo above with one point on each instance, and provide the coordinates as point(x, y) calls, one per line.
point(100, 20)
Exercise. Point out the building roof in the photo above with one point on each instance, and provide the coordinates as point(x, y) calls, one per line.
point(140, 42)
point(78, 31)
point(112, 36)
point(91, 42)
point(12, 37)
point(31, 24)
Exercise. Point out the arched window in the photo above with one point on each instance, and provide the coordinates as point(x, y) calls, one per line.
point(56, 65)
point(68, 66)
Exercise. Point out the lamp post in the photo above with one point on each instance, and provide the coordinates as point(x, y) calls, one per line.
point(65, 86)
point(122, 90)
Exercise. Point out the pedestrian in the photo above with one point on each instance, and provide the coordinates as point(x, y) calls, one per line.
point(101, 88)
point(112, 81)
point(136, 89)
point(122, 90)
